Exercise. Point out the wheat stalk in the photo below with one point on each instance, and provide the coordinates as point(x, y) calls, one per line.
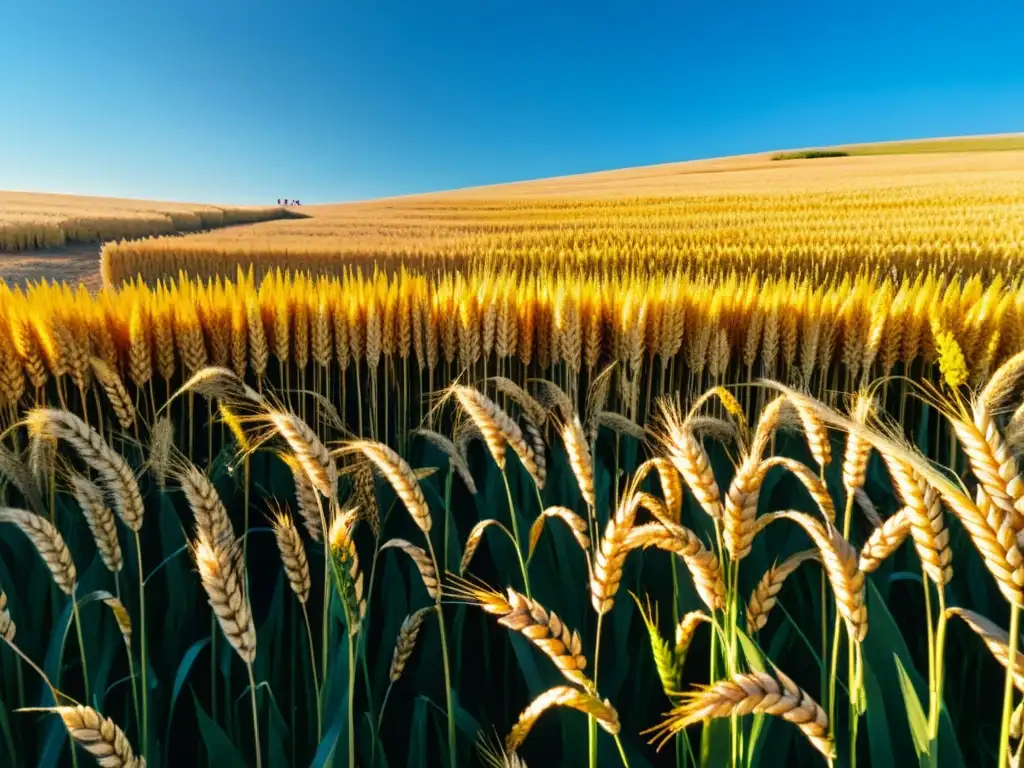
point(562, 696)
point(752, 693)
point(765, 594)
point(48, 543)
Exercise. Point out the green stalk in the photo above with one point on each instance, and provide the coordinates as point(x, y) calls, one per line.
point(1004, 731)
point(255, 718)
point(81, 646)
point(312, 667)
point(837, 623)
point(444, 659)
point(351, 692)
point(143, 648)
point(622, 752)
point(936, 691)
point(591, 722)
point(515, 533)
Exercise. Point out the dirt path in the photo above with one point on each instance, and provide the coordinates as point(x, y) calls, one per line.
point(73, 264)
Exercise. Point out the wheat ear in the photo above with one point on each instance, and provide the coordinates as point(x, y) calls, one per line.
point(309, 451)
point(689, 457)
point(116, 393)
point(858, 450)
point(497, 428)
point(401, 477)
point(996, 640)
point(293, 556)
point(7, 625)
point(100, 520)
point(840, 560)
point(544, 629)
point(580, 460)
point(537, 412)
point(578, 527)
point(666, 663)
point(343, 549)
point(48, 543)
point(305, 498)
point(455, 458)
point(611, 555)
point(884, 541)
point(757, 693)
point(161, 443)
point(116, 476)
point(702, 563)
point(765, 594)
point(224, 583)
point(927, 526)
point(816, 431)
point(562, 696)
point(406, 642)
point(476, 535)
point(422, 561)
point(100, 737)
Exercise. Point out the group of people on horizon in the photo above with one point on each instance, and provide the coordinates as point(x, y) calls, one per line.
point(283, 201)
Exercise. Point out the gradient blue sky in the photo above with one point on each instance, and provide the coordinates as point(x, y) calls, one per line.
point(232, 101)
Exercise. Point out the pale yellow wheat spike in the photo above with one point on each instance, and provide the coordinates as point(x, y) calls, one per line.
point(305, 497)
point(100, 737)
point(456, 459)
point(211, 517)
point(7, 625)
point(406, 642)
point(689, 457)
point(121, 616)
point(116, 476)
point(293, 556)
point(927, 524)
point(814, 486)
point(310, 452)
point(576, 524)
point(753, 693)
point(224, 583)
point(497, 428)
point(840, 560)
point(685, 631)
point(100, 520)
point(765, 594)
point(611, 555)
point(48, 543)
point(401, 478)
point(701, 562)
point(476, 535)
point(116, 393)
point(535, 437)
point(580, 460)
point(996, 640)
point(858, 450)
point(816, 432)
point(161, 442)
point(562, 696)
point(343, 549)
point(423, 564)
point(884, 541)
point(865, 505)
point(544, 629)
point(529, 404)
point(623, 425)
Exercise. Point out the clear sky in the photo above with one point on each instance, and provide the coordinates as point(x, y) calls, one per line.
point(248, 101)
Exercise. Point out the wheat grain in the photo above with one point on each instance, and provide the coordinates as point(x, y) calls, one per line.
point(7, 625)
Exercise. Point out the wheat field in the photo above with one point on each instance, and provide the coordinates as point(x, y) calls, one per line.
point(711, 464)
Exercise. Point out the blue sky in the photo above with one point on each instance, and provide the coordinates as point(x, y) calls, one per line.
point(231, 101)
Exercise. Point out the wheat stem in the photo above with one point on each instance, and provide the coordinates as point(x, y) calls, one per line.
point(591, 720)
point(255, 717)
point(142, 649)
point(81, 644)
point(515, 534)
point(1004, 731)
point(312, 667)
